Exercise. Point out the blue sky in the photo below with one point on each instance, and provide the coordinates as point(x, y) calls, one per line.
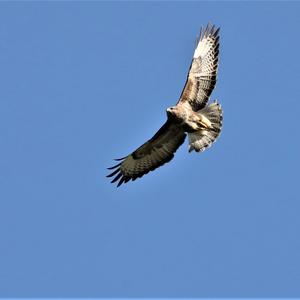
point(85, 82)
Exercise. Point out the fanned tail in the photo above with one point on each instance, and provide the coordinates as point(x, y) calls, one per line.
point(202, 139)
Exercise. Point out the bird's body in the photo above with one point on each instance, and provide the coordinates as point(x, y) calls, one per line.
point(190, 116)
point(190, 121)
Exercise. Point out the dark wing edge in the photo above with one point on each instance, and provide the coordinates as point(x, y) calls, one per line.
point(157, 151)
point(202, 75)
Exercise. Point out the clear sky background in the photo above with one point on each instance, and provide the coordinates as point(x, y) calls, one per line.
point(85, 82)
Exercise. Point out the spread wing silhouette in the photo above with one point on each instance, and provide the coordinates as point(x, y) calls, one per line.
point(154, 153)
point(202, 75)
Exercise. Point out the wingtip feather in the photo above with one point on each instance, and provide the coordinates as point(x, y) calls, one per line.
point(117, 177)
point(121, 181)
point(113, 167)
point(113, 173)
point(118, 159)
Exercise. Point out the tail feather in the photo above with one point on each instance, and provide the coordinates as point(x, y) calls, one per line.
point(203, 138)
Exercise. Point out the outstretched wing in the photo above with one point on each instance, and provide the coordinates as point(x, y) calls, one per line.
point(157, 151)
point(202, 75)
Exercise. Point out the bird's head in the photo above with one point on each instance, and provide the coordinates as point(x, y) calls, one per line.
point(171, 111)
point(174, 114)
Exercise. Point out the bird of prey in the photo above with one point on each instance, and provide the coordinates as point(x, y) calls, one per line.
point(191, 115)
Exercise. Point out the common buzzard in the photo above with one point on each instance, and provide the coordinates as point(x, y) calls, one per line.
point(191, 115)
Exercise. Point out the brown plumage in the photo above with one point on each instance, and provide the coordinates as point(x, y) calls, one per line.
point(190, 115)
point(202, 76)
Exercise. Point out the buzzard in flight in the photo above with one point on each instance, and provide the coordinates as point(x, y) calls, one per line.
point(190, 116)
